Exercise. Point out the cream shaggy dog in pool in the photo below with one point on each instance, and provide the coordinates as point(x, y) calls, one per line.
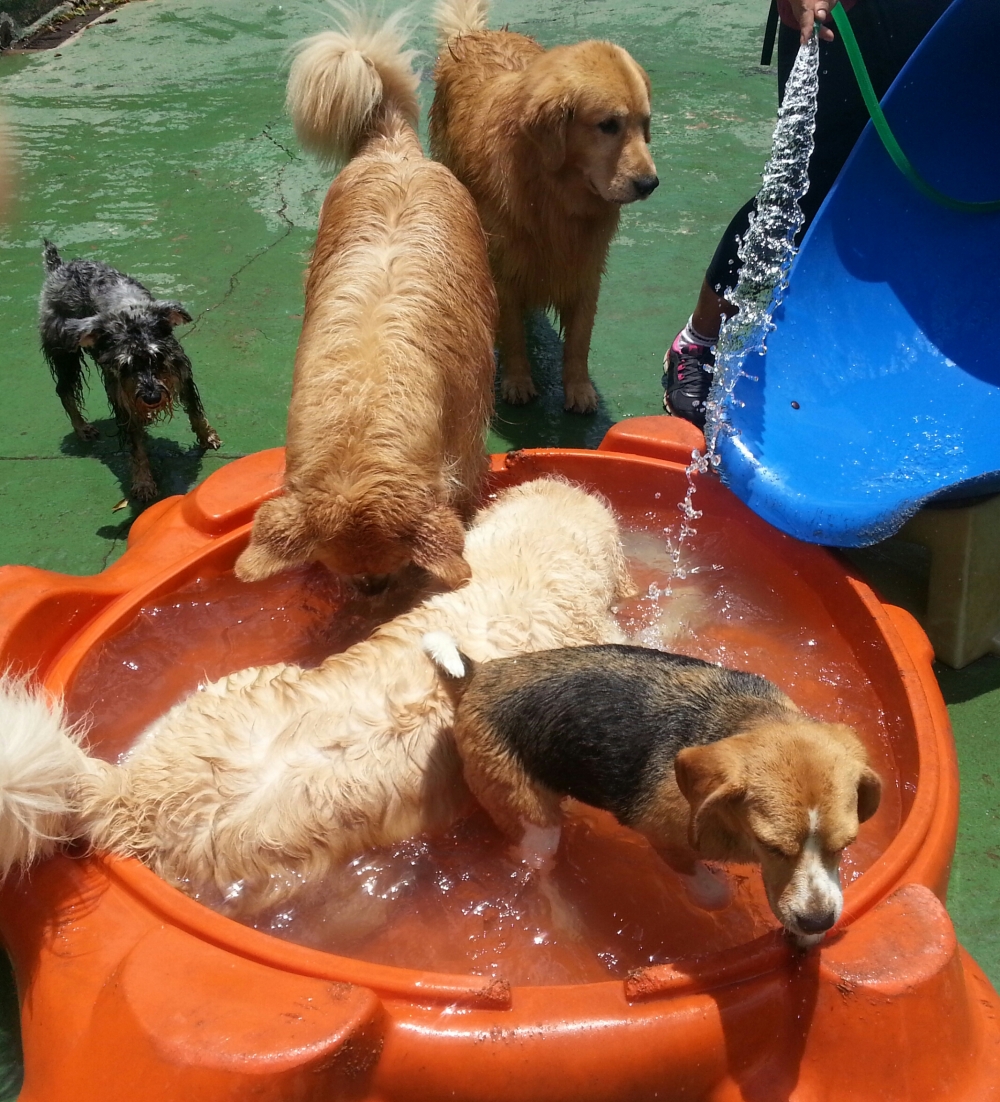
point(270, 777)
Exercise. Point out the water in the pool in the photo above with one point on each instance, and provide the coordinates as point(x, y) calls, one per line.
point(465, 902)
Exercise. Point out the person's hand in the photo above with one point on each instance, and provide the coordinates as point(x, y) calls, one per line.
point(808, 12)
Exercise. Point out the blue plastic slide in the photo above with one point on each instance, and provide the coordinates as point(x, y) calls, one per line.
point(880, 387)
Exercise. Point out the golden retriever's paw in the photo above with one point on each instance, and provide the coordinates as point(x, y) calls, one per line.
point(517, 389)
point(580, 397)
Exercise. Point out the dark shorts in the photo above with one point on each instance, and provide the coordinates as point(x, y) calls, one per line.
point(888, 31)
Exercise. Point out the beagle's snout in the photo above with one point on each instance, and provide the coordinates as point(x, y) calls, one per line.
point(817, 923)
point(645, 185)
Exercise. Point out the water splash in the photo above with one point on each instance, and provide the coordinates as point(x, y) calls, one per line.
point(766, 253)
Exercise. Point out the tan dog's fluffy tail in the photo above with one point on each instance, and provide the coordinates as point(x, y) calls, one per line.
point(457, 17)
point(41, 761)
point(348, 83)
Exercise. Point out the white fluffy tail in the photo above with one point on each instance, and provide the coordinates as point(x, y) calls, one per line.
point(40, 761)
point(349, 82)
point(442, 649)
point(458, 17)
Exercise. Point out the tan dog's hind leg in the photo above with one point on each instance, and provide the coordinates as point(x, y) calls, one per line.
point(578, 324)
point(516, 385)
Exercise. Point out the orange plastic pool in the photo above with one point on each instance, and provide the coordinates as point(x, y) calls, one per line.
point(131, 990)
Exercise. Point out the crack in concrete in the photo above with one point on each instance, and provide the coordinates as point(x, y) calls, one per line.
point(266, 132)
point(114, 544)
point(234, 279)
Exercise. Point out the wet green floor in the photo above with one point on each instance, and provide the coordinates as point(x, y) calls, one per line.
point(158, 144)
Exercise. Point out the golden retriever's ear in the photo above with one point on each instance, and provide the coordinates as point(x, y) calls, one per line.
point(438, 544)
point(280, 540)
point(545, 120)
point(711, 788)
point(869, 794)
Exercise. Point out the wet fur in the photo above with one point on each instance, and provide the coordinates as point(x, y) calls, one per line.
point(518, 125)
point(704, 762)
point(87, 306)
point(268, 778)
point(392, 391)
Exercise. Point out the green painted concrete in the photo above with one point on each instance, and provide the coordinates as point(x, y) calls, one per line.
point(158, 144)
point(973, 698)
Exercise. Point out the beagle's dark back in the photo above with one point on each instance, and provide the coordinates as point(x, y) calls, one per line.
point(603, 723)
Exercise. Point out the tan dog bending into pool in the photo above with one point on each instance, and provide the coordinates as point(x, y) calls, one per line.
point(393, 385)
point(704, 762)
point(551, 144)
point(266, 780)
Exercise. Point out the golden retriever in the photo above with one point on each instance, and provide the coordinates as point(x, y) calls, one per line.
point(552, 144)
point(393, 383)
point(267, 779)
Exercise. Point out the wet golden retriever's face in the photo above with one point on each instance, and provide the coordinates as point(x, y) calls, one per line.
point(588, 112)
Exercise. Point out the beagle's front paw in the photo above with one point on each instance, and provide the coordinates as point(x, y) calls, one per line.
point(708, 888)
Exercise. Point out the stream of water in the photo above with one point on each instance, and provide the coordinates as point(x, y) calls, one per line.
point(766, 254)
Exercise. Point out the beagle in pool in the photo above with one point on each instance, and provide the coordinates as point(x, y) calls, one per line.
point(704, 762)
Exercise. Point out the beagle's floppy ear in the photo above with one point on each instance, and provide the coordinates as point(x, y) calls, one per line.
point(869, 794)
point(713, 789)
point(545, 119)
point(437, 546)
point(869, 782)
point(281, 538)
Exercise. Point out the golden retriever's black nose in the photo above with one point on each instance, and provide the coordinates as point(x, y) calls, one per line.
point(816, 923)
point(645, 185)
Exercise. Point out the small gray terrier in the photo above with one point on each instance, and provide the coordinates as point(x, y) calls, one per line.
point(129, 335)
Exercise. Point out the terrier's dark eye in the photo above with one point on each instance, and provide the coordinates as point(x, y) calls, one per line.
point(609, 126)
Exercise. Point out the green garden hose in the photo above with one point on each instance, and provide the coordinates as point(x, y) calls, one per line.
point(881, 125)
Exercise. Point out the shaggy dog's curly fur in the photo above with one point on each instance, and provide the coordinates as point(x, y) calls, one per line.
point(551, 144)
point(393, 385)
point(270, 777)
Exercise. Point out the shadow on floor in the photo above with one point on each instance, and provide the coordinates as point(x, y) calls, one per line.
point(899, 572)
point(175, 468)
point(543, 423)
point(976, 679)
